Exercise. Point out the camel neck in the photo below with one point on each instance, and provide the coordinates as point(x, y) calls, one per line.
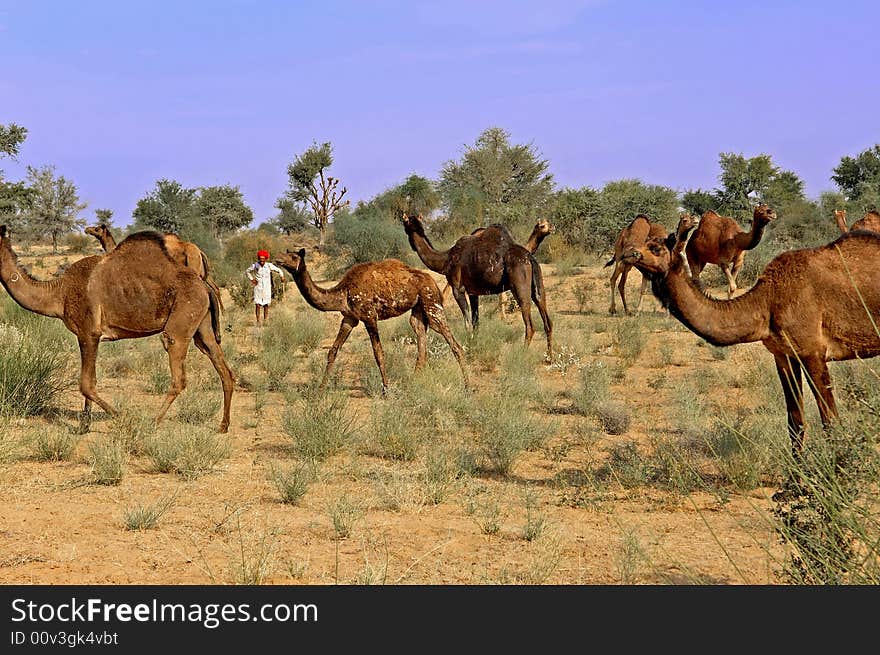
point(40, 297)
point(841, 222)
point(326, 300)
point(744, 319)
point(749, 240)
point(535, 239)
point(108, 242)
point(435, 260)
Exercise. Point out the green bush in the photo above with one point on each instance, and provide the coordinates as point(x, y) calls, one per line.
point(33, 364)
point(371, 235)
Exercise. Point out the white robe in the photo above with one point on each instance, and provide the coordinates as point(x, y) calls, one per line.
point(263, 276)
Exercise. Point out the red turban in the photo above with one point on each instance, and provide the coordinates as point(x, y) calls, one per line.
point(263, 253)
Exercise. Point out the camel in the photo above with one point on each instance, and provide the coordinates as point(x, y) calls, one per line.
point(870, 221)
point(486, 263)
point(720, 240)
point(134, 291)
point(543, 228)
point(183, 252)
point(371, 292)
point(638, 232)
point(808, 307)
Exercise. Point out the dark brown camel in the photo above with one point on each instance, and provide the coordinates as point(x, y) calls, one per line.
point(372, 292)
point(808, 307)
point(720, 240)
point(486, 263)
point(183, 252)
point(134, 291)
point(543, 228)
point(870, 221)
point(637, 233)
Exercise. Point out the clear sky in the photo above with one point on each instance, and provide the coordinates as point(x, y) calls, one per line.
point(117, 94)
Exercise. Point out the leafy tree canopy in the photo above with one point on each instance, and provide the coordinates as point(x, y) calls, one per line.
point(55, 205)
point(495, 182)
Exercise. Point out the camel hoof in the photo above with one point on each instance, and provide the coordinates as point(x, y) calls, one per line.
point(223, 429)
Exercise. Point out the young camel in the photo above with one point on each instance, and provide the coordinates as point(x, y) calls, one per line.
point(136, 290)
point(486, 263)
point(183, 252)
point(870, 221)
point(372, 292)
point(637, 233)
point(808, 307)
point(720, 240)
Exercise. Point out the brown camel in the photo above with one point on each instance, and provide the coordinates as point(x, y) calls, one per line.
point(543, 228)
point(808, 307)
point(637, 233)
point(134, 291)
point(486, 263)
point(870, 221)
point(372, 292)
point(183, 252)
point(720, 240)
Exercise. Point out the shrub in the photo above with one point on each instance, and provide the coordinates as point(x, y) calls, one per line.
point(186, 450)
point(52, 443)
point(145, 516)
point(292, 483)
point(107, 458)
point(319, 426)
point(33, 368)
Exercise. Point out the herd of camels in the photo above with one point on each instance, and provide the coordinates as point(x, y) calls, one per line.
point(808, 307)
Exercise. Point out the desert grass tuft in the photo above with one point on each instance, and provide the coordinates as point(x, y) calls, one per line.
point(52, 443)
point(344, 513)
point(292, 482)
point(188, 451)
point(107, 459)
point(33, 368)
point(145, 516)
point(318, 425)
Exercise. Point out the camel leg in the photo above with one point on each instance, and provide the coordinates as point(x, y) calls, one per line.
point(521, 283)
point(207, 343)
point(433, 313)
point(540, 299)
point(418, 321)
point(622, 287)
point(820, 383)
point(177, 349)
point(731, 280)
point(88, 382)
point(614, 275)
point(642, 292)
point(789, 370)
point(475, 309)
point(460, 298)
point(345, 328)
point(378, 353)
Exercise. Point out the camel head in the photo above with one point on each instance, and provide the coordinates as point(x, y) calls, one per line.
point(840, 214)
point(544, 227)
point(293, 262)
point(659, 255)
point(98, 231)
point(763, 214)
point(414, 223)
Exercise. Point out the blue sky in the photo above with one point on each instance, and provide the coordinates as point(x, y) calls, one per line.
point(119, 94)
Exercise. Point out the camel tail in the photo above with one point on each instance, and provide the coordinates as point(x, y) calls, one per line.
point(609, 262)
point(210, 281)
point(214, 304)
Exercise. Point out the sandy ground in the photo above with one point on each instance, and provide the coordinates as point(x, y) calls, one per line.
point(229, 526)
